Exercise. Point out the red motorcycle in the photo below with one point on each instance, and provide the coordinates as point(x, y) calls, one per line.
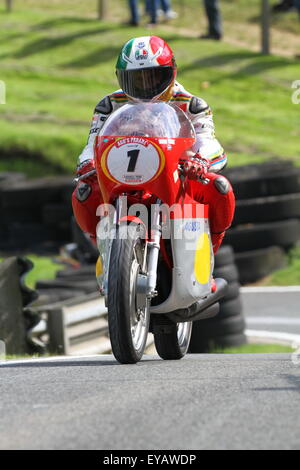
point(156, 257)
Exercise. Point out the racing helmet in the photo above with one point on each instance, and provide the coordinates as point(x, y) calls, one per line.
point(146, 68)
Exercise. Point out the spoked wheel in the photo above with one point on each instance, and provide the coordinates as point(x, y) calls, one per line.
point(175, 343)
point(128, 308)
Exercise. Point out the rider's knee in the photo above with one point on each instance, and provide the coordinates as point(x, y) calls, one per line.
point(222, 185)
point(85, 202)
point(83, 192)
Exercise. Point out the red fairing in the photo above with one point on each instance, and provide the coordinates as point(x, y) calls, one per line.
point(165, 184)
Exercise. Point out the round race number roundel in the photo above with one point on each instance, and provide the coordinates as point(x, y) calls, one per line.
point(132, 160)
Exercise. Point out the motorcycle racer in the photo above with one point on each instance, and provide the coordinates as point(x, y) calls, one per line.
point(146, 70)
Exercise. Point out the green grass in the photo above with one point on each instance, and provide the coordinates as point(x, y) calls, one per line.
point(14, 357)
point(289, 276)
point(245, 349)
point(57, 61)
point(44, 268)
point(255, 349)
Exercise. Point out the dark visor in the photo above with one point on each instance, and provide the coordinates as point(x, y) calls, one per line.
point(146, 83)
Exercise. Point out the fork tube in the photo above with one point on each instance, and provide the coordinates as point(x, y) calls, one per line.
point(154, 247)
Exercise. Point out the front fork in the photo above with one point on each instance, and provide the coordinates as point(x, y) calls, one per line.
point(153, 250)
point(147, 281)
point(106, 232)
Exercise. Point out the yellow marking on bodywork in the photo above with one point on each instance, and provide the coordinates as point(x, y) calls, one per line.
point(104, 163)
point(99, 267)
point(202, 259)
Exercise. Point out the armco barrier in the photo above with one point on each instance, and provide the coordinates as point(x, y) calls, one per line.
point(75, 327)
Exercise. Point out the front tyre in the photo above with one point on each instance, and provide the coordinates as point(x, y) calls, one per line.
point(174, 344)
point(128, 312)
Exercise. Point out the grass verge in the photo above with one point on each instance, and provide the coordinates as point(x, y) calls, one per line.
point(245, 349)
point(289, 276)
point(44, 268)
point(255, 349)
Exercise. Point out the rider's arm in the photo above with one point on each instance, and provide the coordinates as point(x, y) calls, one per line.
point(102, 111)
point(207, 145)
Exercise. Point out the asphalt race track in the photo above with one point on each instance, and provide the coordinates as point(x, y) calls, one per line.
point(245, 401)
point(272, 308)
point(201, 402)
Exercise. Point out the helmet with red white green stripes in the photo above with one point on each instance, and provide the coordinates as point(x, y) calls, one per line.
point(146, 68)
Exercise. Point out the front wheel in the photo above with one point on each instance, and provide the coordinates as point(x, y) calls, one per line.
point(128, 310)
point(174, 344)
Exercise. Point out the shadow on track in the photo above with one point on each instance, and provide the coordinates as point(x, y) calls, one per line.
point(75, 363)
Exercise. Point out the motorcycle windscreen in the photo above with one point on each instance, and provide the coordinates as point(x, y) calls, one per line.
point(149, 119)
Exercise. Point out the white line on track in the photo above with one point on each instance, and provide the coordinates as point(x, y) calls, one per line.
point(277, 337)
point(269, 290)
point(51, 359)
point(268, 336)
point(268, 320)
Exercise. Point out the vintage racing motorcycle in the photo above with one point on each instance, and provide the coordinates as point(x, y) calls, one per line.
point(156, 258)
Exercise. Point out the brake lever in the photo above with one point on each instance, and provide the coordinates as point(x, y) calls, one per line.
point(204, 180)
point(200, 179)
point(82, 177)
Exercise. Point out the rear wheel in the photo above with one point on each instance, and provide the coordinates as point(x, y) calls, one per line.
point(128, 310)
point(174, 343)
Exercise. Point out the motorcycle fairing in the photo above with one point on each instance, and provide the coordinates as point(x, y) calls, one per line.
point(193, 262)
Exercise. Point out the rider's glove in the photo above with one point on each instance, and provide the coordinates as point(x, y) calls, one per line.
point(87, 167)
point(196, 168)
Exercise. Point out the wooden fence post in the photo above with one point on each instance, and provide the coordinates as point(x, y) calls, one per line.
point(265, 27)
point(182, 8)
point(102, 9)
point(9, 5)
point(58, 342)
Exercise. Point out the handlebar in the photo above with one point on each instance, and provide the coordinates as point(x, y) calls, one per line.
point(182, 173)
point(82, 177)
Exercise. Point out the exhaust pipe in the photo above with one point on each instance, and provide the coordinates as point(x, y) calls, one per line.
point(203, 309)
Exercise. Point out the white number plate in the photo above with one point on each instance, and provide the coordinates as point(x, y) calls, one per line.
point(130, 162)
